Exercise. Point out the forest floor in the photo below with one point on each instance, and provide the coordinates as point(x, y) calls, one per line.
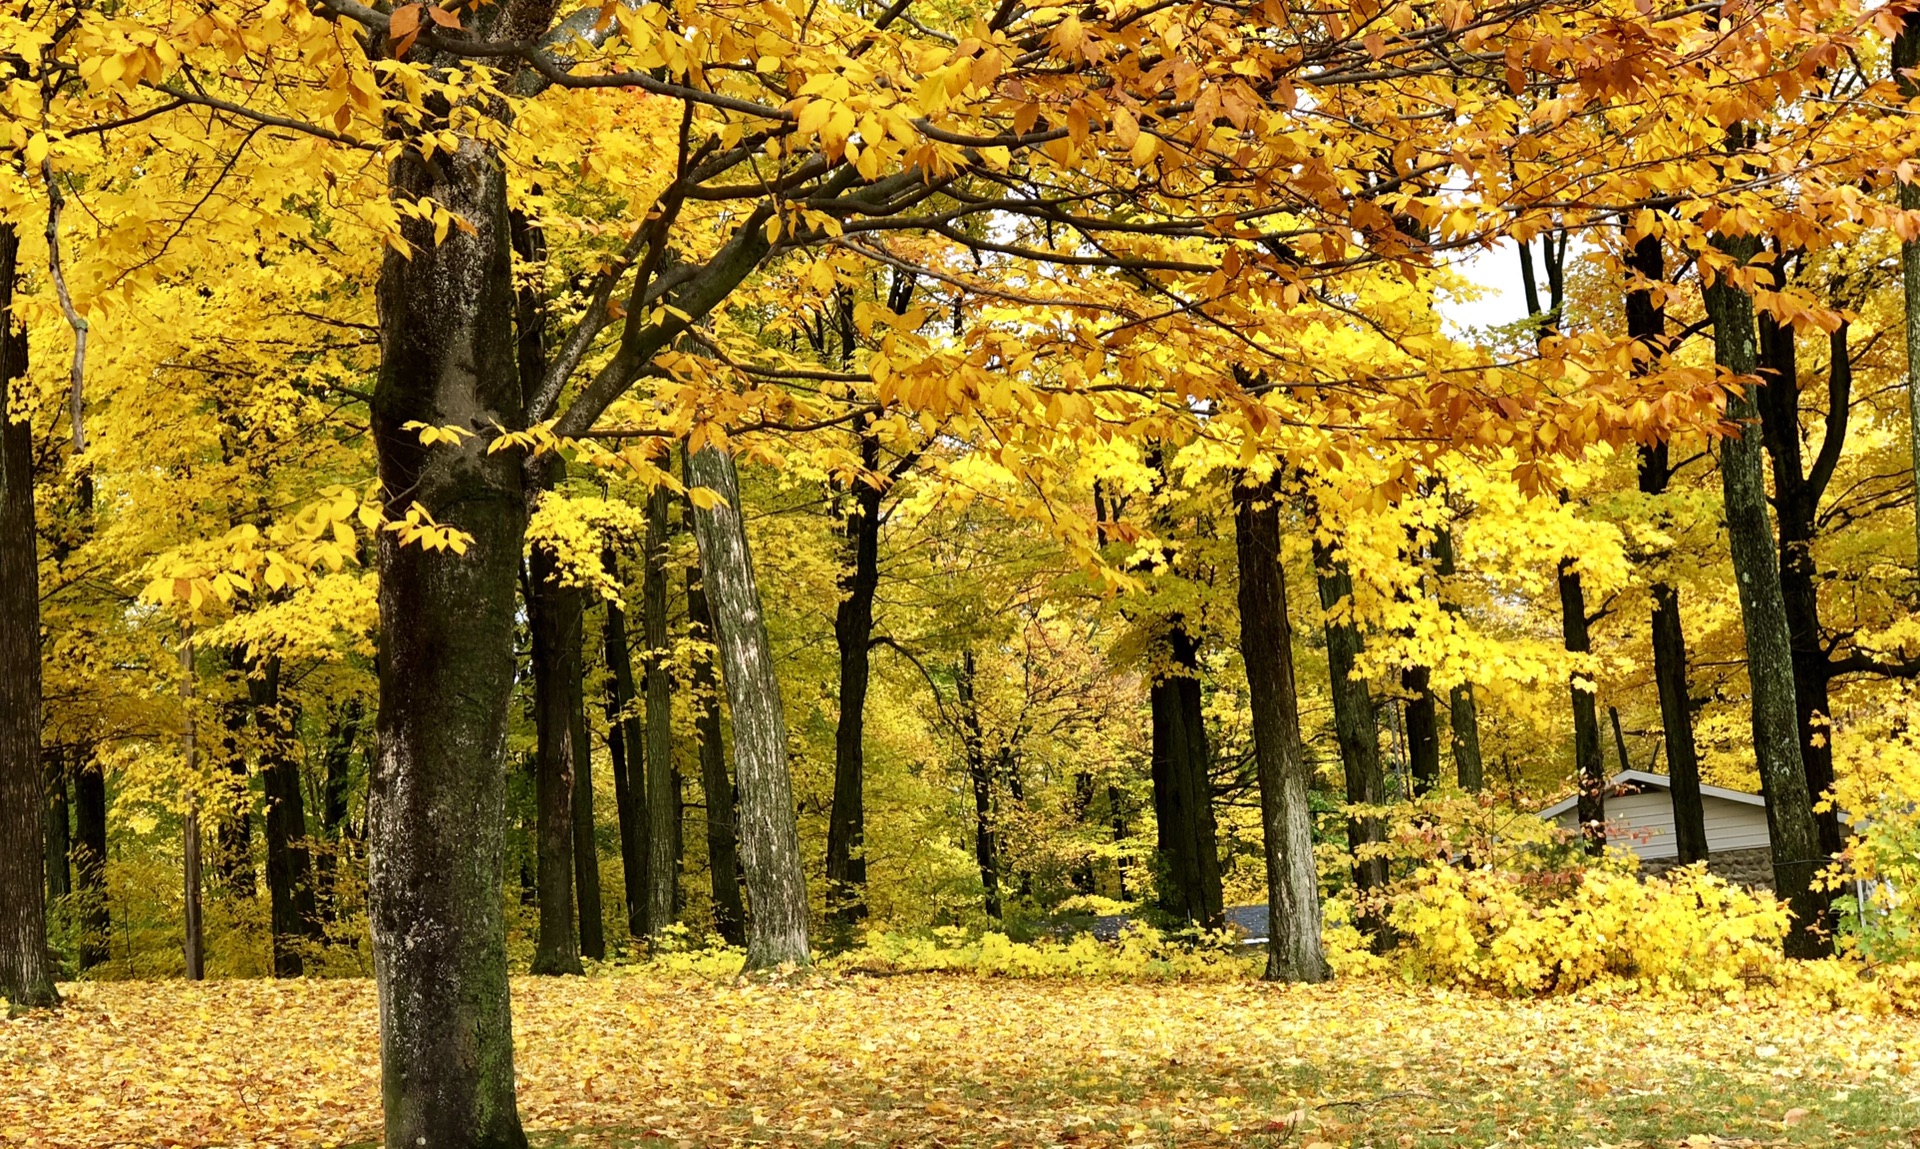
point(633, 1062)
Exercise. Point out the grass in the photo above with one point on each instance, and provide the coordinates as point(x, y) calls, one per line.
point(632, 1061)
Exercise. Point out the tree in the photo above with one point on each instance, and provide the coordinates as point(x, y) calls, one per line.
point(555, 617)
point(1266, 646)
point(626, 746)
point(663, 860)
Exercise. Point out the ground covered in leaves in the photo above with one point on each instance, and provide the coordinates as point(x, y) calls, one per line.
point(948, 1060)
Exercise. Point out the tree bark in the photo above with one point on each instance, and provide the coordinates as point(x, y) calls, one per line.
point(1906, 58)
point(663, 864)
point(1354, 722)
point(1463, 714)
point(555, 618)
point(586, 846)
point(233, 830)
point(1796, 501)
point(1266, 647)
point(90, 859)
point(986, 841)
point(193, 945)
point(723, 858)
point(26, 966)
point(59, 835)
point(626, 744)
point(1590, 768)
point(1776, 741)
point(769, 838)
point(1423, 729)
point(853, 635)
point(1183, 785)
point(437, 793)
point(337, 766)
point(295, 920)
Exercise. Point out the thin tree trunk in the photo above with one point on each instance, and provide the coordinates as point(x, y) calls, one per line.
point(1906, 59)
point(1463, 714)
point(233, 831)
point(1776, 741)
point(1354, 722)
point(769, 838)
point(59, 839)
point(1590, 768)
point(986, 841)
point(586, 847)
point(437, 793)
point(627, 746)
point(337, 765)
point(295, 921)
point(853, 635)
point(1183, 785)
point(1423, 729)
point(554, 616)
point(90, 859)
point(663, 867)
point(1647, 323)
point(723, 860)
point(193, 946)
point(26, 966)
point(1266, 647)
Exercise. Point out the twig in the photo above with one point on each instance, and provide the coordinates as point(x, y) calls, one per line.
point(77, 395)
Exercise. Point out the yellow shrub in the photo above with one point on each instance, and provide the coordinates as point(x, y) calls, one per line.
point(1687, 931)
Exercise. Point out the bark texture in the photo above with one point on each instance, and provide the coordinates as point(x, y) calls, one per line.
point(1353, 718)
point(437, 792)
point(26, 967)
point(1906, 59)
point(663, 862)
point(853, 635)
point(295, 917)
point(723, 852)
point(1280, 762)
point(1183, 785)
point(554, 616)
point(626, 745)
point(586, 846)
point(1776, 740)
point(769, 838)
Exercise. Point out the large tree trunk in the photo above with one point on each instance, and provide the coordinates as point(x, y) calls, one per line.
point(1354, 723)
point(1266, 646)
point(723, 860)
point(663, 862)
point(1776, 739)
point(769, 838)
point(986, 841)
point(1647, 323)
point(1183, 786)
point(295, 921)
point(1423, 729)
point(586, 848)
point(1796, 501)
point(1590, 768)
point(90, 858)
point(853, 634)
point(627, 746)
point(26, 967)
point(437, 794)
point(555, 618)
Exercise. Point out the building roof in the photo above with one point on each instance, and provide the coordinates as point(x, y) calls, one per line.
point(1658, 781)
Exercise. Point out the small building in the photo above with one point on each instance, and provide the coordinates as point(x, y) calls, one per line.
point(1639, 808)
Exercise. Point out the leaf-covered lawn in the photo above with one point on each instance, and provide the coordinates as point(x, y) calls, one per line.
point(957, 1061)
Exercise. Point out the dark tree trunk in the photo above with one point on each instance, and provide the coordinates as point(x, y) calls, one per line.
point(1776, 741)
point(1423, 729)
point(59, 839)
point(1463, 714)
point(1906, 59)
point(554, 616)
point(663, 867)
point(193, 945)
point(1796, 501)
point(1354, 723)
point(1266, 646)
point(234, 828)
point(26, 967)
point(723, 861)
point(1183, 786)
point(1116, 811)
point(90, 859)
point(437, 793)
point(853, 634)
point(1647, 323)
point(986, 841)
point(627, 746)
point(295, 920)
point(586, 846)
point(769, 838)
point(337, 764)
point(1619, 738)
point(1082, 806)
point(1590, 768)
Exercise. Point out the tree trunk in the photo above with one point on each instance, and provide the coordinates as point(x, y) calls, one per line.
point(853, 634)
point(1183, 786)
point(586, 846)
point(1353, 722)
point(769, 838)
point(1906, 58)
point(337, 764)
point(986, 842)
point(627, 746)
point(90, 859)
point(59, 837)
point(1590, 768)
point(1796, 501)
point(193, 945)
point(1647, 323)
point(1266, 646)
point(437, 793)
point(1423, 729)
point(723, 861)
point(295, 920)
point(1463, 714)
point(26, 967)
point(554, 616)
point(663, 867)
point(1776, 740)
point(233, 830)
